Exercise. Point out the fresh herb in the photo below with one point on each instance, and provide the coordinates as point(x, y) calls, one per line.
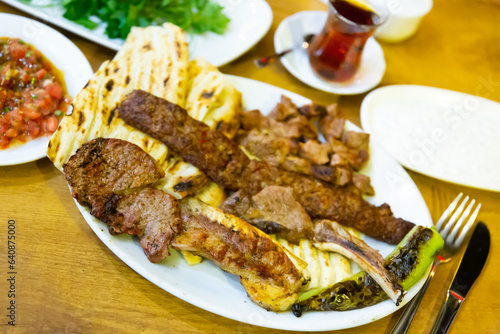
point(29, 53)
point(197, 16)
point(58, 112)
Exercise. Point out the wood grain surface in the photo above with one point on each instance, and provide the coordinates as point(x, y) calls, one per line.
point(69, 282)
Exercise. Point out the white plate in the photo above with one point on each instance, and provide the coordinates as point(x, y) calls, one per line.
point(440, 133)
point(208, 287)
point(63, 54)
point(250, 21)
point(289, 34)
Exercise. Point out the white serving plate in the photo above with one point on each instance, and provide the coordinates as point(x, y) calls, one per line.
point(250, 21)
point(290, 33)
point(440, 133)
point(209, 288)
point(63, 54)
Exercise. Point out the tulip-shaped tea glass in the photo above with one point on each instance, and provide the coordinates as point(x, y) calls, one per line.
point(335, 53)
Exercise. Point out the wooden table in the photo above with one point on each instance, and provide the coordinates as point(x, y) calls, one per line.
point(69, 282)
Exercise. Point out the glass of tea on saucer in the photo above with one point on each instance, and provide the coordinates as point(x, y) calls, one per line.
point(335, 53)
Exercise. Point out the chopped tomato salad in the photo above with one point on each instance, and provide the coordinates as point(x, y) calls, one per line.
point(32, 94)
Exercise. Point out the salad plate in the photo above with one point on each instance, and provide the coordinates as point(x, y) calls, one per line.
point(249, 22)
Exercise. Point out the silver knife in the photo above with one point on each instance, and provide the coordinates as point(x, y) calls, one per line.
point(470, 267)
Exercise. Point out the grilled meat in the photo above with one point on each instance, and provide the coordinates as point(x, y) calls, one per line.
point(226, 164)
point(201, 147)
point(151, 214)
point(284, 110)
point(315, 151)
point(297, 128)
point(110, 176)
point(357, 158)
point(313, 110)
point(332, 124)
point(356, 140)
point(266, 145)
point(274, 210)
point(345, 206)
point(362, 182)
point(330, 236)
point(104, 167)
point(269, 274)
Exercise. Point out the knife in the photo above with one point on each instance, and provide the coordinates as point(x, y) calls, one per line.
point(470, 267)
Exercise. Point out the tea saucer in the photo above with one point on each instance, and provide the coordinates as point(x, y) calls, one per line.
point(290, 33)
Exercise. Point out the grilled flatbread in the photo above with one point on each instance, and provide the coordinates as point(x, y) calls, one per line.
point(154, 59)
point(212, 98)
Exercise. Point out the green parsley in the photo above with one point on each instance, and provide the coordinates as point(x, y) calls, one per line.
point(197, 16)
point(58, 113)
point(29, 53)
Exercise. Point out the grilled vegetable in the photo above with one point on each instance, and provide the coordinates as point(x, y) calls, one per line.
point(407, 263)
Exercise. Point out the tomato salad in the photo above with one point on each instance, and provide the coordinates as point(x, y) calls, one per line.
point(33, 98)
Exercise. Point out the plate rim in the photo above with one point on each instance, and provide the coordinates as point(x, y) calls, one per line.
point(377, 48)
point(366, 125)
point(42, 141)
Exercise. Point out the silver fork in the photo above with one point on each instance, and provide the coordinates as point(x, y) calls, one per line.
point(448, 228)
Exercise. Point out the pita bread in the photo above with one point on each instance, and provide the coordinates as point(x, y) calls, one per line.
point(212, 98)
point(154, 59)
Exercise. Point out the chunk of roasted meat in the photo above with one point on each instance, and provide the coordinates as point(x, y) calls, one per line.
point(333, 162)
point(266, 145)
point(285, 110)
point(150, 214)
point(269, 274)
point(111, 176)
point(226, 164)
point(104, 167)
point(297, 128)
point(332, 123)
point(273, 210)
point(315, 151)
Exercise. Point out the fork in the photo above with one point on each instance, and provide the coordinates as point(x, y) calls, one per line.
point(448, 228)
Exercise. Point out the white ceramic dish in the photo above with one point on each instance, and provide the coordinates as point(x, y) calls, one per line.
point(440, 133)
point(250, 21)
point(289, 34)
point(208, 287)
point(63, 54)
point(404, 20)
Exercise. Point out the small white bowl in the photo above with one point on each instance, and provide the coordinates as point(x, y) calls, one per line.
point(404, 20)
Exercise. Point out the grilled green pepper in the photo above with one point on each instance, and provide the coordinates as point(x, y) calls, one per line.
point(406, 264)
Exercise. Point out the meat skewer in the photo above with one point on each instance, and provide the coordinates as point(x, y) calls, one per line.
point(226, 164)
